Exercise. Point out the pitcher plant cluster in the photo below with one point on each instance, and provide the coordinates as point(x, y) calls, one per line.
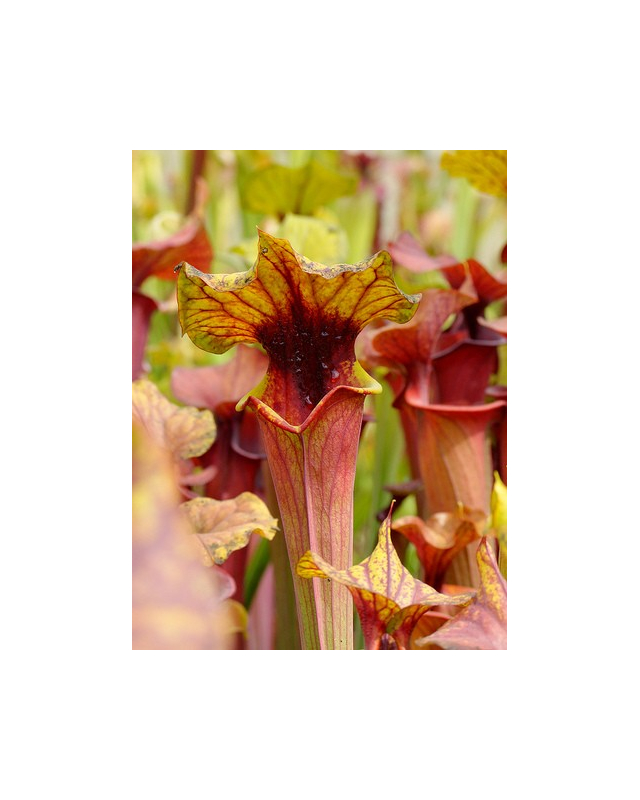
point(319, 400)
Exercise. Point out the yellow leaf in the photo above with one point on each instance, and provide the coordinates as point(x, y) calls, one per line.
point(499, 519)
point(278, 190)
point(319, 239)
point(184, 432)
point(223, 526)
point(381, 586)
point(305, 314)
point(484, 169)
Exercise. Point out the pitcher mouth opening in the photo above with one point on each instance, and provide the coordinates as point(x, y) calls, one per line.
point(252, 400)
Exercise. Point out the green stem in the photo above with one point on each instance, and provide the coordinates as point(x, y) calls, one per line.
point(255, 570)
point(287, 635)
point(464, 220)
point(388, 441)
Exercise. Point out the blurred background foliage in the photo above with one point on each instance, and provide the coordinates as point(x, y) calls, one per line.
point(334, 206)
point(346, 204)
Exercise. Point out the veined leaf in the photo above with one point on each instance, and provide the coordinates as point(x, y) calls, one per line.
point(305, 314)
point(184, 432)
point(310, 403)
point(223, 526)
point(381, 587)
point(441, 538)
point(482, 625)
